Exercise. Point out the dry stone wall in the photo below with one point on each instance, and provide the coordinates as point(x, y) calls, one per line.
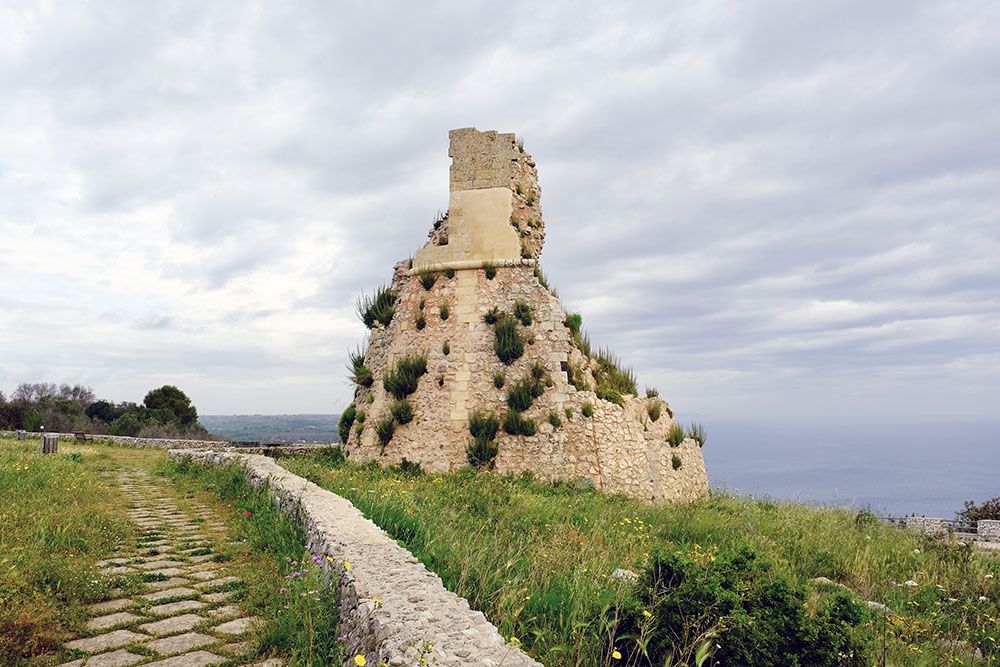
point(392, 609)
point(620, 448)
point(124, 441)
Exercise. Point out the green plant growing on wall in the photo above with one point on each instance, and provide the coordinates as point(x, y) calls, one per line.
point(427, 279)
point(675, 436)
point(523, 312)
point(697, 433)
point(402, 411)
point(385, 428)
point(508, 341)
point(445, 348)
point(360, 374)
point(587, 409)
point(449, 273)
point(522, 394)
point(490, 270)
point(483, 450)
point(555, 420)
point(420, 321)
point(360, 417)
point(492, 316)
point(401, 381)
point(575, 376)
point(498, 379)
point(515, 423)
point(379, 307)
point(675, 461)
point(569, 413)
point(652, 392)
point(530, 199)
point(654, 409)
point(443, 311)
point(544, 281)
point(346, 422)
point(574, 322)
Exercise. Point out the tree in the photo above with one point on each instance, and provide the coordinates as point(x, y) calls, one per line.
point(169, 397)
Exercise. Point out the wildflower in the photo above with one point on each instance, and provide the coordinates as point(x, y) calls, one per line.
point(616, 655)
point(377, 601)
point(296, 574)
point(916, 551)
point(989, 576)
point(347, 565)
point(282, 590)
point(342, 638)
point(247, 512)
point(329, 559)
point(515, 641)
point(359, 660)
point(910, 583)
point(982, 598)
point(645, 612)
point(317, 559)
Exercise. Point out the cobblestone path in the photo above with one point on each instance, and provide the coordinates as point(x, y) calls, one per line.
point(184, 616)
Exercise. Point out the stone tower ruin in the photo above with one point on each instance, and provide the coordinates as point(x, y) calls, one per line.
point(471, 359)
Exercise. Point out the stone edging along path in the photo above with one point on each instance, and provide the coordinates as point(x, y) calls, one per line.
point(392, 609)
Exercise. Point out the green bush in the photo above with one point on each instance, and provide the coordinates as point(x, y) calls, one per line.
point(523, 313)
point(675, 462)
point(443, 311)
point(491, 271)
point(492, 316)
point(522, 394)
point(587, 410)
point(652, 392)
point(575, 376)
point(360, 374)
point(697, 433)
point(508, 341)
point(611, 378)
point(427, 279)
point(555, 420)
point(515, 423)
point(346, 421)
point(654, 409)
point(569, 413)
point(483, 450)
point(498, 380)
point(675, 436)
point(445, 348)
point(420, 321)
point(379, 307)
point(385, 428)
point(402, 411)
point(449, 273)
point(401, 381)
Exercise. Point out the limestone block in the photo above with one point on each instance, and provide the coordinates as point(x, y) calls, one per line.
point(989, 529)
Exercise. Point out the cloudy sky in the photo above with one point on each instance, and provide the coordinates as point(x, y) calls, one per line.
point(767, 208)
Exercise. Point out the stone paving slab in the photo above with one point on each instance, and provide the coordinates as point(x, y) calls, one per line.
point(110, 606)
point(112, 620)
point(168, 593)
point(114, 639)
point(195, 659)
point(172, 608)
point(173, 582)
point(173, 625)
point(238, 626)
point(181, 643)
point(119, 658)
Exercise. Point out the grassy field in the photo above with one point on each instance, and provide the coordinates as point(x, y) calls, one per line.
point(59, 514)
point(726, 580)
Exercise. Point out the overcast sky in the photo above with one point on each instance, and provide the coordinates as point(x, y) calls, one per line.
point(766, 208)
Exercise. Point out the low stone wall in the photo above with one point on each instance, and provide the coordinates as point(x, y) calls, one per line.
point(125, 441)
point(392, 609)
point(989, 530)
point(929, 525)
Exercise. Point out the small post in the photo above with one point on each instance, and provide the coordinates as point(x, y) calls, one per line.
point(20, 435)
point(50, 443)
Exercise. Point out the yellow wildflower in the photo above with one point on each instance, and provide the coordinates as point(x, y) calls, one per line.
point(359, 660)
point(347, 566)
point(645, 612)
point(616, 655)
point(515, 641)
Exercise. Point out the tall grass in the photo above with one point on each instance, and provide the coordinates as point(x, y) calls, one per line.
point(57, 517)
point(508, 340)
point(378, 307)
point(537, 559)
point(402, 379)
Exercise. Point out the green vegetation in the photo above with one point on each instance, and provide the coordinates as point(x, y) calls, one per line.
point(575, 376)
point(449, 273)
point(385, 428)
point(537, 559)
point(654, 409)
point(346, 421)
point(508, 340)
point(544, 281)
point(284, 585)
point(587, 409)
point(445, 348)
point(402, 411)
point(492, 316)
point(427, 279)
point(57, 517)
point(516, 423)
point(379, 307)
point(652, 392)
point(612, 381)
point(675, 462)
point(483, 450)
point(360, 374)
point(498, 379)
point(522, 394)
point(697, 433)
point(989, 511)
point(555, 420)
point(491, 271)
point(443, 311)
point(420, 321)
point(676, 435)
point(574, 322)
point(401, 381)
point(523, 312)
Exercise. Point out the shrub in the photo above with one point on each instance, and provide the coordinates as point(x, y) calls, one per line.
point(675, 462)
point(988, 511)
point(420, 321)
point(443, 311)
point(697, 433)
point(449, 273)
point(611, 379)
point(482, 451)
point(423, 302)
point(573, 322)
point(360, 418)
point(530, 199)
point(498, 380)
point(675, 436)
point(555, 420)
point(544, 281)
point(537, 371)
point(385, 428)
point(346, 421)
point(427, 279)
point(491, 271)
point(517, 424)
point(652, 392)
point(522, 394)
point(402, 411)
point(401, 381)
point(587, 410)
point(610, 395)
point(575, 377)
point(410, 468)
point(654, 410)
point(360, 374)
point(508, 342)
point(379, 307)
point(523, 312)
point(569, 413)
point(492, 316)
point(445, 348)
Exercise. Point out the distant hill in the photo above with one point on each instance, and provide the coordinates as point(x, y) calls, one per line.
point(274, 428)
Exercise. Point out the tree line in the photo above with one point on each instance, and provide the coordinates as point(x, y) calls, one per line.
point(165, 412)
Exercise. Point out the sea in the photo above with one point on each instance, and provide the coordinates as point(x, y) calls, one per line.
point(893, 469)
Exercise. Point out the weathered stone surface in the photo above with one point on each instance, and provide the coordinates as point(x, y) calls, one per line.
point(168, 593)
point(217, 583)
point(236, 626)
point(114, 639)
point(111, 620)
point(110, 606)
point(988, 529)
point(181, 643)
point(173, 582)
point(195, 659)
point(174, 624)
point(176, 607)
point(119, 658)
